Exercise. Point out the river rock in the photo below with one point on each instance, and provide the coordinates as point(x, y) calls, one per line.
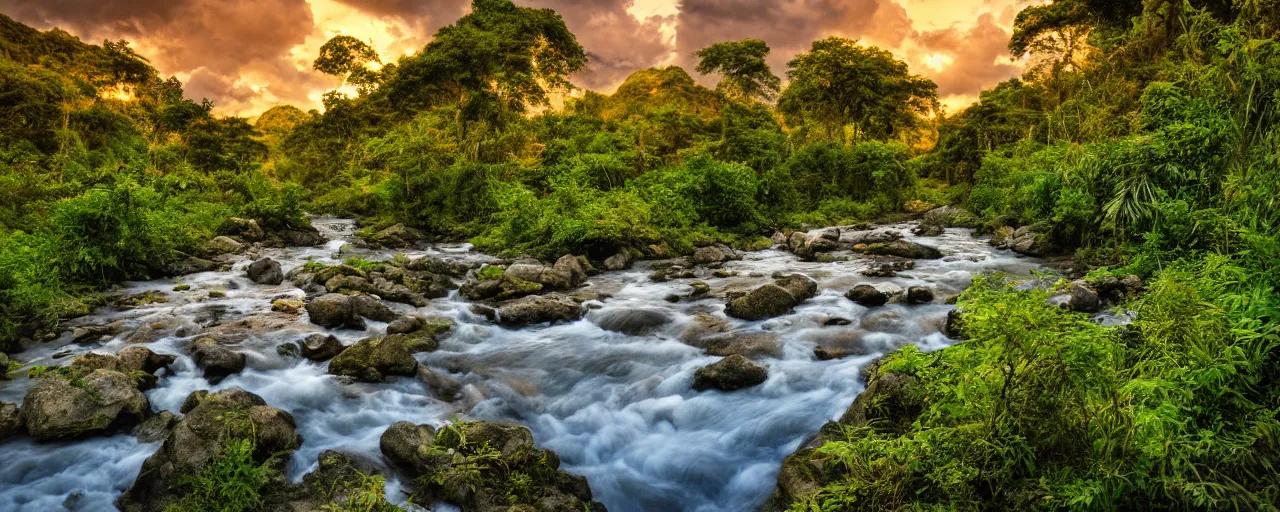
point(630, 320)
point(372, 309)
point(220, 245)
point(775, 299)
point(301, 236)
point(729, 374)
point(1078, 296)
point(878, 236)
point(538, 309)
point(142, 359)
point(715, 253)
point(919, 294)
point(928, 230)
point(265, 271)
point(320, 347)
point(867, 296)
point(10, 421)
point(335, 310)
point(949, 217)
point(749, 344)
point(807, 246)
point(421, 450)
point(211, 423)
point(571, 266)
point(1033, 240)
point(397, 236)
point(436, 265)
point(374, 359)
point(905, 249)
point(620, 261)
point(549, 277)
point(888, 266)
point(1114, 289)
point(217, 362)
point(244, 229)
point(63, 406)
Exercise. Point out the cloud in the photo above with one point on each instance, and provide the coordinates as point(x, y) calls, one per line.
point(979, 56)
point(788, 26)
point(617, 43)
point(248, 55)
point(229, 51)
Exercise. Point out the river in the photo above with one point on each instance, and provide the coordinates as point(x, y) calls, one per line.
point(617, 408)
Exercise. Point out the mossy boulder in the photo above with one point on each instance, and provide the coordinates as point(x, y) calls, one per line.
point(334, 310)
point(866, 295)
point(265, 271)
point(211, 423)
point(341, 482)
point(472, 465)
point(774, 299)
point(729, 374)
point(375, 359)
point(217, 362)
point(72, 402)
point(320, 347)
point(904, 249)
point(538, 309)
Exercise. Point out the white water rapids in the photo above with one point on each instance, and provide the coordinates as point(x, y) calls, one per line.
point(617, 408)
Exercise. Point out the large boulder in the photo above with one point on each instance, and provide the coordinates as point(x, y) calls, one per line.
point(142, 359)
point(265, 271)
point(397, 236)
point(867, 296)
point(70, 402)
point(440, 266)
point(549, 277)
point(808, 246)
point(571, 266)
point(446, 466)
point(620, 261)
point(335, 310)
point(320, 347)
point(905, 249)
point(919, 294)
point(304, 236)
point(220, 245)
point(749, 344)
point(714, 253)
point(374, 359)
point(729, 374)
point(774, 299)
point(216, 361)
point(887, 266)
point(538, 309)
point(212, 426)
point(949, 217)
point(244, 229)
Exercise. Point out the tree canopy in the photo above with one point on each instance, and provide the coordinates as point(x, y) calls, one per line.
point(839, 84)
point(742, 64)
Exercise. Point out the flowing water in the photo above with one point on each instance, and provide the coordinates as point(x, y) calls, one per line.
point(618, 408)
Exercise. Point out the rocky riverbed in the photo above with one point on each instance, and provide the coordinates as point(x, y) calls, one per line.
point(674, 385)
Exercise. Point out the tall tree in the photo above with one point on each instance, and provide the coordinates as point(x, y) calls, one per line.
point(840, 84)
point(498, 60)
point(746, 74)
point(348, 58)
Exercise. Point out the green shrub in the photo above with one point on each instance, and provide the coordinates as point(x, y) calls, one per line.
point(231, 482)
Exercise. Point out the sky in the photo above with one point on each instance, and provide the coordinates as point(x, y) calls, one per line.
point(250, 55)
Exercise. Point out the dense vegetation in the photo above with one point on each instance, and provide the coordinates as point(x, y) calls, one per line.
point(1142, 139)
point(1144, 136)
